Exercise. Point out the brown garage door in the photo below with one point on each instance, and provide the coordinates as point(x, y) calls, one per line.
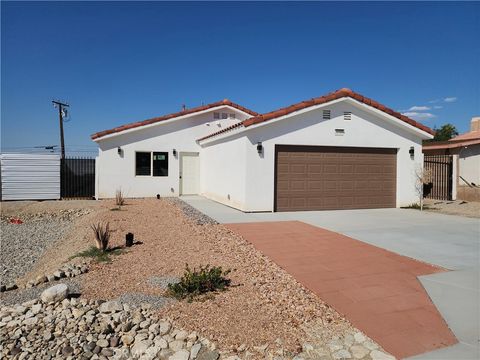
point(327, 178)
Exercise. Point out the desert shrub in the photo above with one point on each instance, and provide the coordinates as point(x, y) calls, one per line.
point(417, 206)
point(102, 235)
point(198, 282)
point(412, 206)
point(119, 198)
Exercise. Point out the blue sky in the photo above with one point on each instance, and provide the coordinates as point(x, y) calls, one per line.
point(117, 62)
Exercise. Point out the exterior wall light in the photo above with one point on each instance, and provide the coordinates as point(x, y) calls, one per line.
point(412, 152)
point(119, 151)
point(259, 148)
point(174, 152)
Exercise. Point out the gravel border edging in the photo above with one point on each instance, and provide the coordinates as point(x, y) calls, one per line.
point(190, 212)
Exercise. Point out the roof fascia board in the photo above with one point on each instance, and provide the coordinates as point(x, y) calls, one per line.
point(168, 121)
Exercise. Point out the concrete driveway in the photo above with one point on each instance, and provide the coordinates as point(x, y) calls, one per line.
point(449, 241)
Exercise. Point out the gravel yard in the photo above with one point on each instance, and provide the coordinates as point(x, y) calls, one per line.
point(455, 207)
point(264, 313)
point(264, 306)
point(24, 244)
point(50, 232)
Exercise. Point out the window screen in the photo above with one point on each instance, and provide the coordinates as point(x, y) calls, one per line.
point(160, 164)
point(142, 163)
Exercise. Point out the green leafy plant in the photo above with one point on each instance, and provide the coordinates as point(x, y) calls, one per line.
point(102, 235)
point(97, 254)
point(195, 282)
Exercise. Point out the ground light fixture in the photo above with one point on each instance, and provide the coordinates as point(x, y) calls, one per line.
point(129, 239)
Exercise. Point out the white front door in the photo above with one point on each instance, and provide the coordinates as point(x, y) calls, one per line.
point(189, 173)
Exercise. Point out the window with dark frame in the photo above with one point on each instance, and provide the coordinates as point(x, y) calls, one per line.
point(160, 164)
point(142, 163)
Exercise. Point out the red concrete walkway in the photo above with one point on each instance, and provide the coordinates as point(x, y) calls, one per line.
point(375, 289)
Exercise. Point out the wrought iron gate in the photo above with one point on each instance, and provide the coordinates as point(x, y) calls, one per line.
point(441, 175)
point(77, 178)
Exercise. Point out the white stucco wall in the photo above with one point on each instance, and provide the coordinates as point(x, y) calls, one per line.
point(223, 172)
point(118, 172)
point(366, 129)
point(469, 164)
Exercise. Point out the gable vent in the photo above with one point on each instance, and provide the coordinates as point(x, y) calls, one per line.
point(347, 115)
point(326, 114)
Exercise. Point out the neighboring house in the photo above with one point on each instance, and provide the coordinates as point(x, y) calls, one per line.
point(339, 151)
point(465, 150)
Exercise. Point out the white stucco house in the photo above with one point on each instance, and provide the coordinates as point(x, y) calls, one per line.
point(465, 150)
point(338, 151)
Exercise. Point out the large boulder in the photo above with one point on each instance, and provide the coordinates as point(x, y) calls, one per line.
point(55, 293)
point(110, 307)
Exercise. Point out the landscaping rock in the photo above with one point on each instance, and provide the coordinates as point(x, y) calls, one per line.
point(176, 345)
point(342, 354)
point(379, 355)
point(127, 339)
point(359, 352)
point(140, 347)
point(195, 350)
point(102, 343)
point(55, 293)
point(359, 337)
point(110, 307)
point(180, 355)
point(205, 354)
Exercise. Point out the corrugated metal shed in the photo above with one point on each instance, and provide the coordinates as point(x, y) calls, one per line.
point(30, 176)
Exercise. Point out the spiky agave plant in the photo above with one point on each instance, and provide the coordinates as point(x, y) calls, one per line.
point(102, 235)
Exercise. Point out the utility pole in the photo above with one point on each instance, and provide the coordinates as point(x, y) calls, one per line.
point(60, 107)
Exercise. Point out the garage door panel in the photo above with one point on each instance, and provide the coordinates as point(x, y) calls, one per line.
point(321, 178)
point(320, 184)
point(298, 185)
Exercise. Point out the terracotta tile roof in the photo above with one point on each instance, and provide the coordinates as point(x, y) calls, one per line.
point(471, 135)
point(437, 145)
point(322, 100)
point(171, 116)
point(231, 127)
point(329, 97)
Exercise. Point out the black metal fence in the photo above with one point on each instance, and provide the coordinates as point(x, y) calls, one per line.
point(77, 178)
point(440, 171)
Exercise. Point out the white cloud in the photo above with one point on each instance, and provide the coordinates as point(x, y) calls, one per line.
point(434, 101)
point(438, 107)
point(450, 99)
point(418, 115)
point(419, 108)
